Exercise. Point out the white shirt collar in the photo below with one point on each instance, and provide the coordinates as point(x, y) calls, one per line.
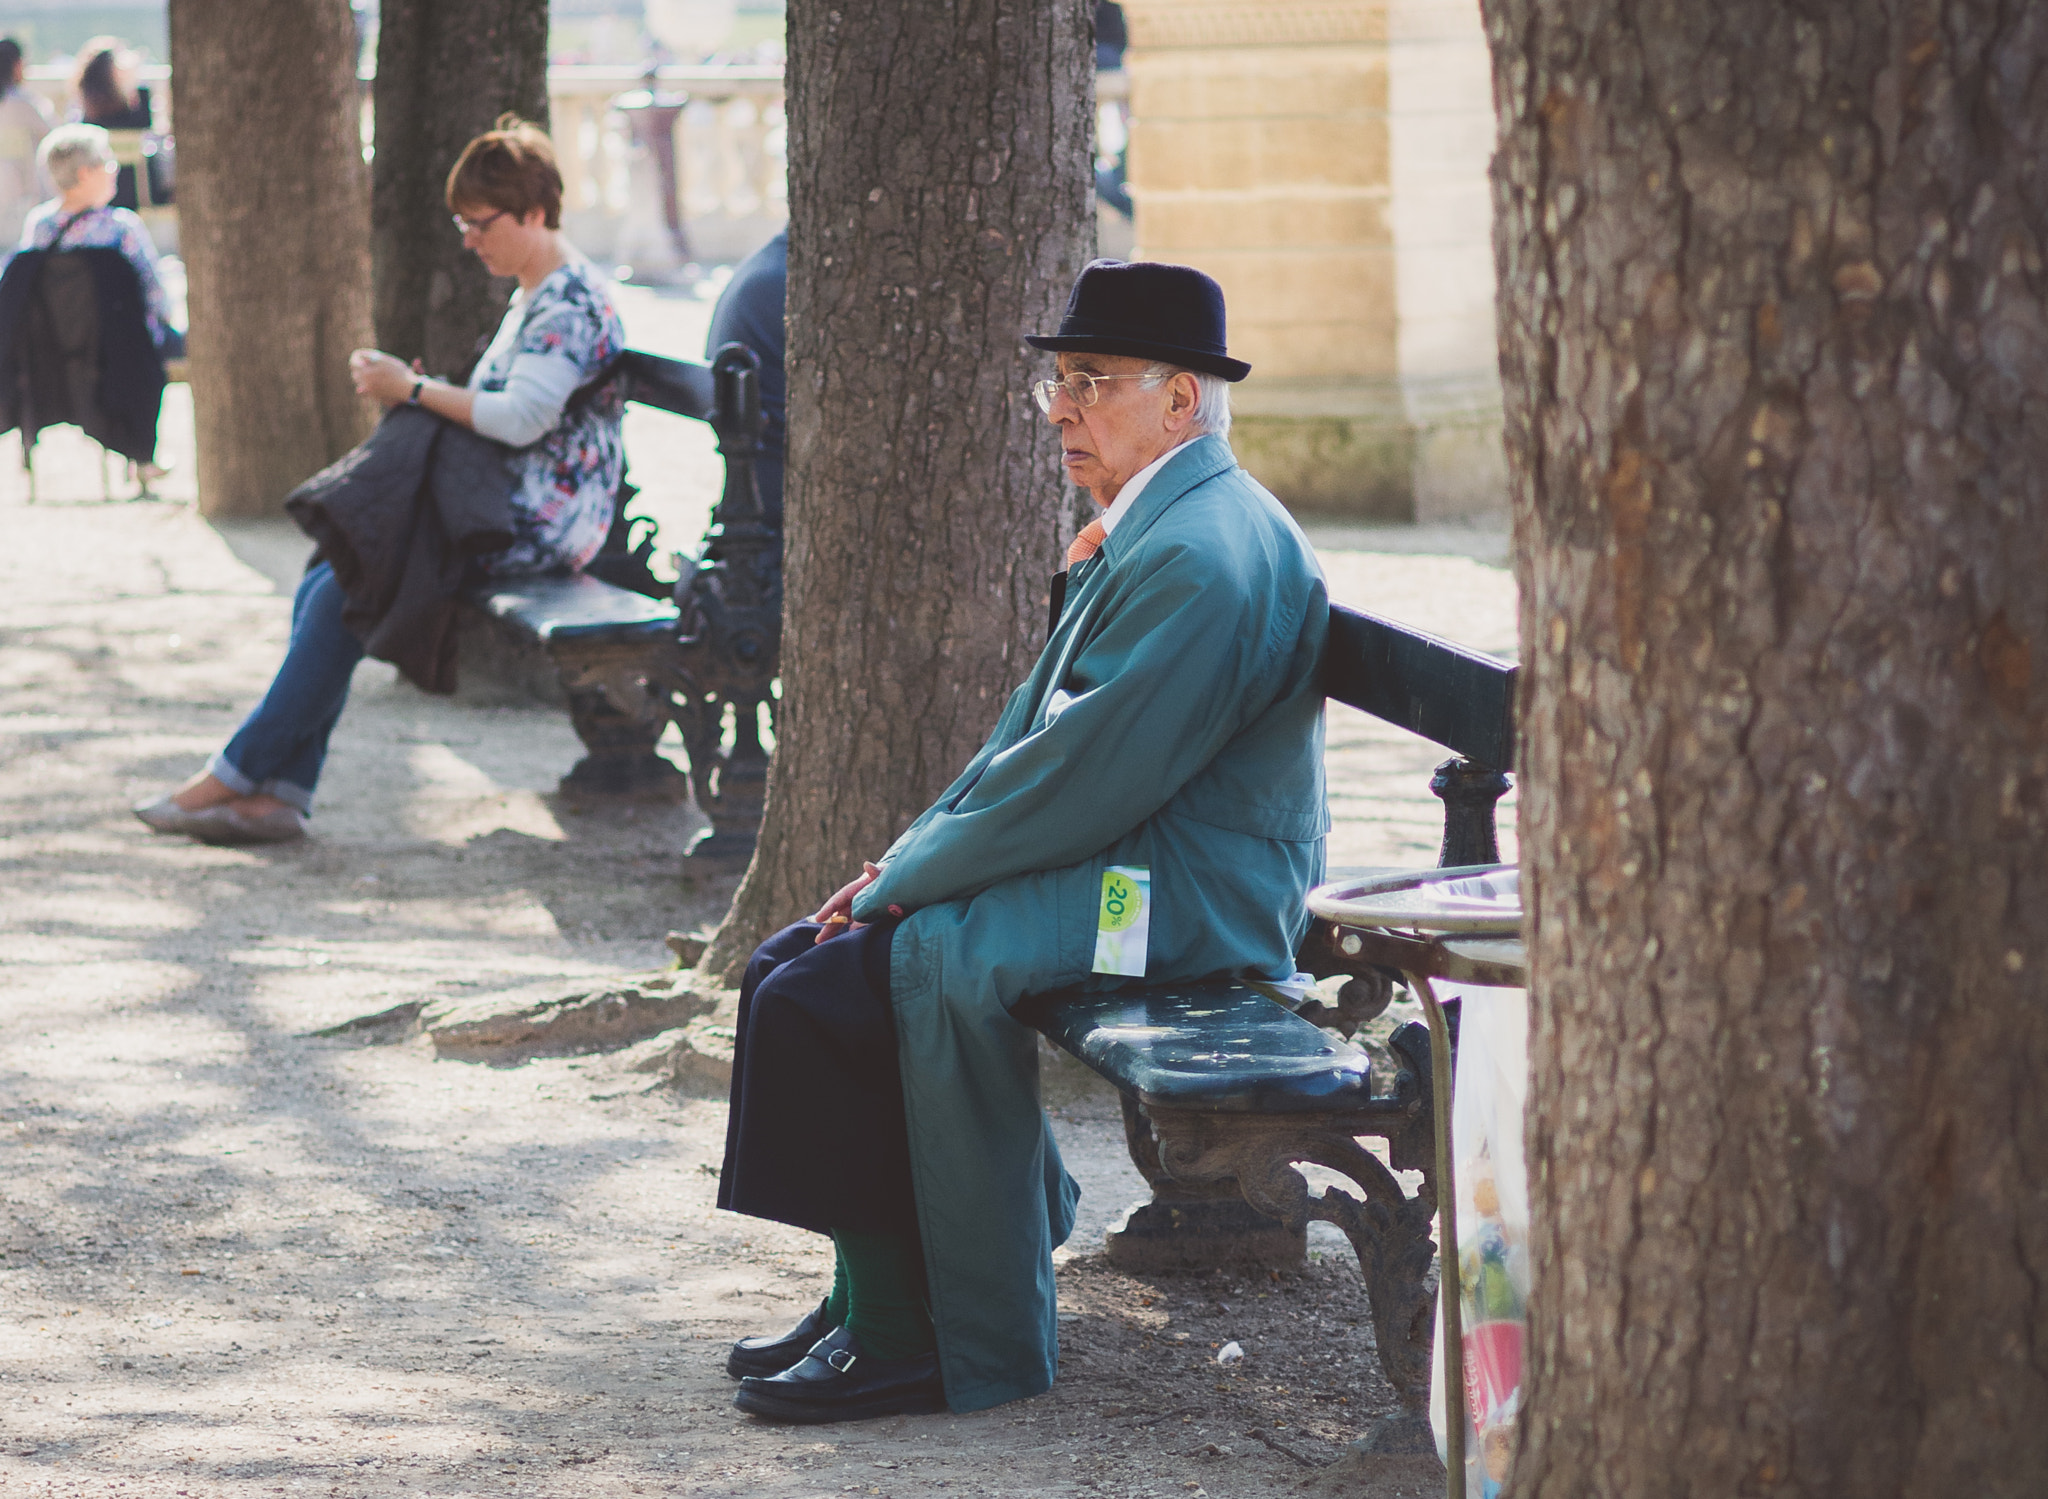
point(1133, 487)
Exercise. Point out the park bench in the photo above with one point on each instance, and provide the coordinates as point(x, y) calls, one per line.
point(632, 654)
point(1226, 1086)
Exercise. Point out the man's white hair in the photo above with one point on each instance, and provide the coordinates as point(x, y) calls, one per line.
point(1212, 397)
point(69, 149)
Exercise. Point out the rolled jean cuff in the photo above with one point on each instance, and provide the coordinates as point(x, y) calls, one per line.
point(219, 768)
point(224, 771)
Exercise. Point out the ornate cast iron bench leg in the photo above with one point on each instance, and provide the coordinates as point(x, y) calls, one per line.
point(1389, 1231)
point(728, 636)
point(619, 719)
point(730, 785)
point(1194, 1224)
point(1189, 1226)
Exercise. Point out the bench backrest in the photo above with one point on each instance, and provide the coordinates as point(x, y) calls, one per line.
point(1447, 693)
point(725, 395)
point(672, 384)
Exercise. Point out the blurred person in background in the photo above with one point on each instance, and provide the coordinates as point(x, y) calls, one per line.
point(1112, 36)
point(24, 120)
point(750, 312)
point(79, 163)
point(110, 97)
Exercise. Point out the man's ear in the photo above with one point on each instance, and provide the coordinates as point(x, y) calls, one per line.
point(1183, 394)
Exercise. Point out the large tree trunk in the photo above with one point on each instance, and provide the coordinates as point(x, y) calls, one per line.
point(1775, 347)
point(926, 509)
point(273, 223)
point(445, 73)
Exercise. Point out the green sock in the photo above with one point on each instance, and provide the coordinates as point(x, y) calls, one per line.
point(886, 1294)
point(842, 1293)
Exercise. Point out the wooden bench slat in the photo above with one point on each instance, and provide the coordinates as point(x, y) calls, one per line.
point(1448, 693)
point(1224, 1048)
point(574, 607)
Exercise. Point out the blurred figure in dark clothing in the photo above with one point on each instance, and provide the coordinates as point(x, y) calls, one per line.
point(1110, 36)
point(749, 312)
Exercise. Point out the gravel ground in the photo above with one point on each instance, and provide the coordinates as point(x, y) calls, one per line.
point(239, 1259)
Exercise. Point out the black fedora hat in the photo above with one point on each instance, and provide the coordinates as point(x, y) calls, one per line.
point(1172, 313)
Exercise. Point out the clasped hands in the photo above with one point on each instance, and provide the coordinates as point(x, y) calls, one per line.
point(383, 377)
point(836, 915)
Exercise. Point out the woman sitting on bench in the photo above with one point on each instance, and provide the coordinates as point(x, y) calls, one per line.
point(558, 336)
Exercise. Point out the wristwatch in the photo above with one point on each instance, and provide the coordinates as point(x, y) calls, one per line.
point(419, 384)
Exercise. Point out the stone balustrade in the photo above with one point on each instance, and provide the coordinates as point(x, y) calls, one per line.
point(729, 150)
point(730, 159)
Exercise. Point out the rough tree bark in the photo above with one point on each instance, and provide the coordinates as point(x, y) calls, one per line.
point(444, 75)
point(1774, 338)
point(926, 510)
point(273, 224)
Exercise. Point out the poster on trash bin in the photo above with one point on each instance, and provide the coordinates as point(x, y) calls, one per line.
point(1488, 1090)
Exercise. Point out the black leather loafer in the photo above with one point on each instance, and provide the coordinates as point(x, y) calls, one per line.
point(765, 1356)
point(835, 1381)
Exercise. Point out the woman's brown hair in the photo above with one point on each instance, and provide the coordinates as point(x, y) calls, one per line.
point(510, 167)
point(98, 82)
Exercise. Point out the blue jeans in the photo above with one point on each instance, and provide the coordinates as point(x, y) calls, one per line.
point(281, 745)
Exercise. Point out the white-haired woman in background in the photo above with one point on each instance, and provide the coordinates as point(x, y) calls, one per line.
point(79, 161)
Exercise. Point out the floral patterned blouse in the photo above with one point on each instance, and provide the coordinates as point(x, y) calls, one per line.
point(563, 506)
point(104, 229)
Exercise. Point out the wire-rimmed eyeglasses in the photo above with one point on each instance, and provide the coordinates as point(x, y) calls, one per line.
point(1079, 386)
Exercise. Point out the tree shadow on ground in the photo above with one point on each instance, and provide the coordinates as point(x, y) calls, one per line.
point(407, 1275)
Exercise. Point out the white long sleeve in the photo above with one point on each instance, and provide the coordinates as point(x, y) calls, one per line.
point(537, 387)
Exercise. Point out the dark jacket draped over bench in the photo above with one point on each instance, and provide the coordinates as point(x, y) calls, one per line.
point(75, 347)
point(401, 518)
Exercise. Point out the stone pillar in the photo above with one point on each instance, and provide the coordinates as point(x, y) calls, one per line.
point(1326, 161)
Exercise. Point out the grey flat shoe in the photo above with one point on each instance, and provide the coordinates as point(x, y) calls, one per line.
point(237, 829)
point(163, 815)
point(222, 826)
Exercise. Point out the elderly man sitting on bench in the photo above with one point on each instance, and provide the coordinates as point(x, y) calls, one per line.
point(1149, 806)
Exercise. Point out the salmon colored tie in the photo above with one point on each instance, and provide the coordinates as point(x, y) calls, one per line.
point(1087, 544)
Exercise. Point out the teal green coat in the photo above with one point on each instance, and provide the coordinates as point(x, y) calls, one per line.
point(1187, 738)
